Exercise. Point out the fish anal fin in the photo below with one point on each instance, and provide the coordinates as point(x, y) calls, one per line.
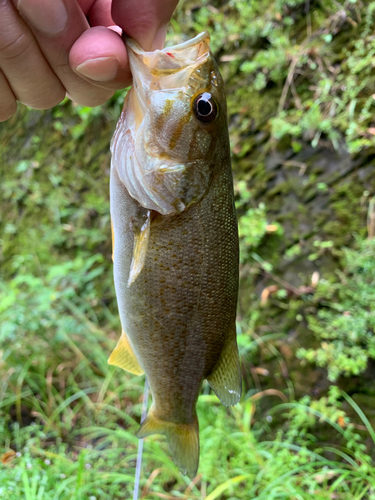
point(141, 239)
point(124, 357)
point(183, 440)
point(225, 378)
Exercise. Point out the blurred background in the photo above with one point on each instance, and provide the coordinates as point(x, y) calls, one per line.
point(301, 93)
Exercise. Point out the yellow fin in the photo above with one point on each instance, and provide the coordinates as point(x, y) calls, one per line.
point(141, 239)
point(225, 378)
point(183, 441)
point(124, 357)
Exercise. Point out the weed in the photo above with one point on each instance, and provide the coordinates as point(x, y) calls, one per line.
point(345, 326)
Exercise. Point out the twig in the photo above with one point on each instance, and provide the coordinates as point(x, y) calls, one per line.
point(297, 100)
point(371, 219)
point(336, 18)
point(269, 392)
point(289, 79)
point(150, 480)
point(192, 484)
point(284, 283)
point(294, 163)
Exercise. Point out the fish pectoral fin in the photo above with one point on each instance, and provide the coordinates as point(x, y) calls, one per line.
point(225, 378)
point(183, 440)
point(124, 357)
point(141, 239)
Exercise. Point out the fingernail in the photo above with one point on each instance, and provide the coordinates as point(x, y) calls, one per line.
point(159, 39)
point(102, 69)
point(116, 29)
point(48, 16)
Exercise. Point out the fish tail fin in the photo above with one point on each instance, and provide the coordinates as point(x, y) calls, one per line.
point(183, 440)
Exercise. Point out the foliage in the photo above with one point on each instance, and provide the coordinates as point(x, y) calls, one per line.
point(252, 223)
point(318, 55)
point(345, 326)
point(32, 305)
point(297, 72)
point(70, 419)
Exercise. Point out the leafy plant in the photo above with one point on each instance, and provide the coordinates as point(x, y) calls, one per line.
point(252, 224)
point(345, 326)
point(318, 55)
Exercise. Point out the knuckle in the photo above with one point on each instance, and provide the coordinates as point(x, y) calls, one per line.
point(11, 49)
point(8, 111)
point(48, 101)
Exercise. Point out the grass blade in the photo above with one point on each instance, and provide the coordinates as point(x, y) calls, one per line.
point(224, 486)
point(360, 413)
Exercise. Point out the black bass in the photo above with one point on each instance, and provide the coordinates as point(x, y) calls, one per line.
point(175, 239)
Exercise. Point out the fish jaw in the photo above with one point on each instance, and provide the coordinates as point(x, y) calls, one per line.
point(167, 68)
point(163, 155)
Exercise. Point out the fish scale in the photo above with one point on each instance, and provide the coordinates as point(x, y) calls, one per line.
point(178, 313)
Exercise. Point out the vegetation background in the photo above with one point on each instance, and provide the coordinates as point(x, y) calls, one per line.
point(300, 77)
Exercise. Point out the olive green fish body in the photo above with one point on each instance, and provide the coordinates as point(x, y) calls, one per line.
point(178, 308)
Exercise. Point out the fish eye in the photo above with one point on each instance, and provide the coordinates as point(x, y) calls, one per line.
point(205, 108)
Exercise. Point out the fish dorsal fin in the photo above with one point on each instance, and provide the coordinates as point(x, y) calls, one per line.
point(124, 357)
point(225, 378)
point(141, 239)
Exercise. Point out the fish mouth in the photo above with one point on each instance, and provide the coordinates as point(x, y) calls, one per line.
point(180, 46)
point(171, 59)
point(169, 67)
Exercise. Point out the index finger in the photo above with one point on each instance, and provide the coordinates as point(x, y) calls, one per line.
point(56, 25)
point(144, 20)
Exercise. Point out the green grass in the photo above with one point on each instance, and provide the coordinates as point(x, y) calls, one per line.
point(71, 419)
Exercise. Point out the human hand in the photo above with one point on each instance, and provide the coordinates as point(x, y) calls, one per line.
point(52, 47)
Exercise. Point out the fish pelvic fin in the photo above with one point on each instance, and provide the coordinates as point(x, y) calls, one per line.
point(183, 440)
point(124, 357)
point(225, 378)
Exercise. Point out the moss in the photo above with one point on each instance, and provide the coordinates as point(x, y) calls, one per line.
point(54, 193)
point(259, 107)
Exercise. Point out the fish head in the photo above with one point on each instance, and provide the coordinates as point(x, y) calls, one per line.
point(175, 118)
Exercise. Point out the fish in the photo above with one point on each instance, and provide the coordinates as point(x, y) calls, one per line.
point(175, 239)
